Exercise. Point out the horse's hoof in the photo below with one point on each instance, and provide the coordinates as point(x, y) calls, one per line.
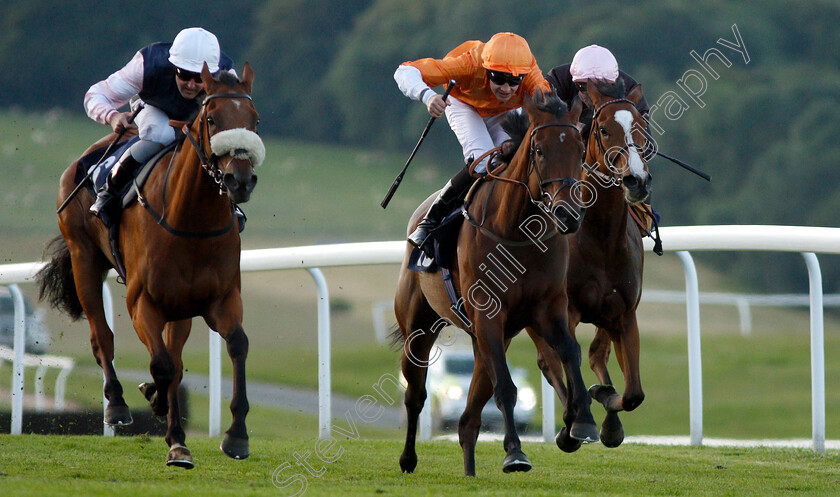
point(234, 447)
point(159, 405)
point(180, 456)
point(565, 442)
point(148, 390)
point(516, 462)
point(585, 432)
point(118, 415)
point(606, 396)
point(408, 463)
point(612, 433)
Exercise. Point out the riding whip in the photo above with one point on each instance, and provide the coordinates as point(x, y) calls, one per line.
point(399, 178)
point(92, 169)
point(685, 166)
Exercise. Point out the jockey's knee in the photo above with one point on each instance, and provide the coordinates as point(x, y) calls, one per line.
point(144, 149)
point(160, 134)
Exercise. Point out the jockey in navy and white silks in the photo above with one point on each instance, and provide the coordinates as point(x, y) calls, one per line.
point(166, 77)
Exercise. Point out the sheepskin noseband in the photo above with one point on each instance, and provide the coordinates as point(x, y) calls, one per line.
point(234, 141)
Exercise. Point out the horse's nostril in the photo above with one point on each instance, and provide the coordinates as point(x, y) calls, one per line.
point(230, 181)
point(630, 181)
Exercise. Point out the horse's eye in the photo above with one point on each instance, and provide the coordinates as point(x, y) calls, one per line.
point(603, 131)
point(538, 151)
point(211, 121)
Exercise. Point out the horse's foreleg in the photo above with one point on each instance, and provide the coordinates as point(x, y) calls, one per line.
point(599, 355)
point(627, 347)
point(175, 336)
point(89, 290)
point(235, 444)
point(559, 349)
point(481, 389)
point(415, 365)
point(148, 323)
point(612, 432)
point(552, 370)
point(491, 347)
point(226, 319)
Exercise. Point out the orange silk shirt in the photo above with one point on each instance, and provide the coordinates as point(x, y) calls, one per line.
point(463, 64)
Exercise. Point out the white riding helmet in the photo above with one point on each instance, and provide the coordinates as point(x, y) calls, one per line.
point(192, 48)
point(594, 62)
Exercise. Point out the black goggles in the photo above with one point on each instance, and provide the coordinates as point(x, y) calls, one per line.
point(187, 75)
point(500, 78)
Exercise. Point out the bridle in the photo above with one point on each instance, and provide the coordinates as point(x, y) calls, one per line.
point(614, 179)
point(544, 199)
point(210, 165)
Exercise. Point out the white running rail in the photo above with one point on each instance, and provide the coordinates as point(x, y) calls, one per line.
point(806, 240)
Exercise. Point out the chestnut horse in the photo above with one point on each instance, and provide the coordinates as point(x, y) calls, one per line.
point(513, 220)
point(607, 256)
point(179, 264)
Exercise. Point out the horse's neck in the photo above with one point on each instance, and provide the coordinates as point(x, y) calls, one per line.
point(608, 214)
point(510, 202)
point(191, 195)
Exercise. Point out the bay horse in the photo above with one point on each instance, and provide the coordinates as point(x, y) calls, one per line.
point(181, 263)
point(522, 209)
point(607, 256)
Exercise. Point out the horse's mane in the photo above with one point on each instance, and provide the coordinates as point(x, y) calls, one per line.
point(228, 78)
point(614, 90)
point(516, 123)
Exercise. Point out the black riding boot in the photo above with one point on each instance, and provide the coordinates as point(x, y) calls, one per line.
point(453, 191)
point(107, 196)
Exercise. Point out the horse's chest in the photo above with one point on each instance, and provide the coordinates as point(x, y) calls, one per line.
point(605, 296)
point(189, 282)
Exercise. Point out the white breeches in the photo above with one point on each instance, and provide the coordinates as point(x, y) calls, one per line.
point(475, 133)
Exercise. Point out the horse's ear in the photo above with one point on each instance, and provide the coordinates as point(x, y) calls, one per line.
point(206, 76)
point(635, 95)
point(528, 105)
point(577, 108)
point(247, 77)
point(593, 93)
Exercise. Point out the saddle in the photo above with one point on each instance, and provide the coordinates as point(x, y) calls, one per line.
point(102, 168)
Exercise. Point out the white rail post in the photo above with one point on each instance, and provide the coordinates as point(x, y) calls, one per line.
point(17, 364)
point(817, 354)
point(324, 386)
point(549, 423)
point(214, 385)
point(40, 398)
point(695, 370)
point(744, 315)
point(108, 305)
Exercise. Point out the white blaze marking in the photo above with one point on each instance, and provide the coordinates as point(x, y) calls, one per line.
point(625, 119)
point(562, 137)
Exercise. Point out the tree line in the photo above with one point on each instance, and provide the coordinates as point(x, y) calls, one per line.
point(758, 115)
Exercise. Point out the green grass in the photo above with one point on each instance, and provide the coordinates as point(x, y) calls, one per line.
point(92, 466)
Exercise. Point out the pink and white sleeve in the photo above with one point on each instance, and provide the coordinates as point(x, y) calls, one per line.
point(104, 98)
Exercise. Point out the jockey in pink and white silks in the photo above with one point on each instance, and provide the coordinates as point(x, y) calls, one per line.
point(167, 79)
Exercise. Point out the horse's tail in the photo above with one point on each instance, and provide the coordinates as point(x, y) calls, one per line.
point(56, 282)
point(395, 335)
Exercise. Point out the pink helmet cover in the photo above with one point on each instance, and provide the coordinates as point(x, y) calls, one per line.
point(594, 62)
